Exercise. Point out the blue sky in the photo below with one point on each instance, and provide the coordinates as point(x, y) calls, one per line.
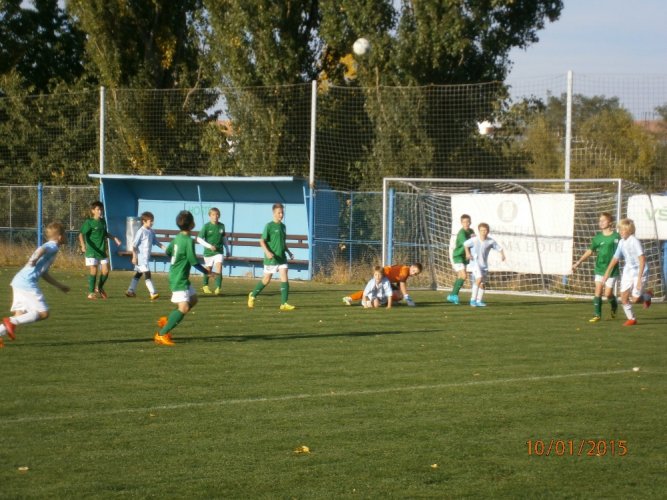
point(623, 38)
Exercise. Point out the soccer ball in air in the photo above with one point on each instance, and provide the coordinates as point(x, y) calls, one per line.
point(361, 47)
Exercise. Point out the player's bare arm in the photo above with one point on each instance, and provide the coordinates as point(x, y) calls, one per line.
point(52, 281)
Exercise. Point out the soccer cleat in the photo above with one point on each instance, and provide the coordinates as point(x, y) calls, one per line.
point(480, 303)
point(473, 303)
point(206, 290)
point(162, 321)
point(347, 301)
point(102, 293)
point(218, 291)
point(410, 302)
point(251, 300)
point(647, 298)
point(155, 296)
point(163, 339)
point(286, 307)
point(10, 327)
point(130, 293)
point(630, 322)
point(92, 296)
point(594, 319)
point(453, 299)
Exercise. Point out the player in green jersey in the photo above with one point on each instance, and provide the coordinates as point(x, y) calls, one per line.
point(213, 238)
point(459, 260)
point(182, 252)
point(274, 244)
point(604, 244)
point(93, 241)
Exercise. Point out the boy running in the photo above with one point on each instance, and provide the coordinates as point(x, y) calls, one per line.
point(93, 241)
point(213, 238)
point(635, 270)
point(274, 244)
point(182, 252)
point(459, 259)
point(29, 305)
point(604, 244)
point(477, 251)
point(143, 242)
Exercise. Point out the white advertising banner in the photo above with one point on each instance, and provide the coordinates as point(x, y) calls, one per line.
point(510, 217)
point(650, 215)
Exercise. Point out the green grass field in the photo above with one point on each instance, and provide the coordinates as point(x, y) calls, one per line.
point(436, 401)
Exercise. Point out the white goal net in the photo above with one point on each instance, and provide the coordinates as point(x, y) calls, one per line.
point(542, 225)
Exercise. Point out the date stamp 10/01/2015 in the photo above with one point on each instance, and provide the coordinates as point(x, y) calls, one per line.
point(577, 447)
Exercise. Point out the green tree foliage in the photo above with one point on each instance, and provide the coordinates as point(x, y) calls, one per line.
point(40, 43)
point(145, 44)
point(262, 43)
point(607, 142)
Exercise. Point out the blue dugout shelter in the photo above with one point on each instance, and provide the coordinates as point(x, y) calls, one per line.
point(244, 202)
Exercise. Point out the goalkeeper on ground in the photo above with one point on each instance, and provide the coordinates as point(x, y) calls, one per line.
point(398, 276)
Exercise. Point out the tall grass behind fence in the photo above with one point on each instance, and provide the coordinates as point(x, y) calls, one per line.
point(19, 217)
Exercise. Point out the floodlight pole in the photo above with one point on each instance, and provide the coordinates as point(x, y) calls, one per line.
point(102, 130)
point(311, 175)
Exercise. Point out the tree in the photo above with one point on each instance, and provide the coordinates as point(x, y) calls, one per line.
point(264, 43)
point(607, 142)
point(40, 43)
point(145, 44)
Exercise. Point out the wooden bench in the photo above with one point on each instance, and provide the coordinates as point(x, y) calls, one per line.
point(236, 243)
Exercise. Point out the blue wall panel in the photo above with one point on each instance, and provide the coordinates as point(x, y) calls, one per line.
point(244, 203)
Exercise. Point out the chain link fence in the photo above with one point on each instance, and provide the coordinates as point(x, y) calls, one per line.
point(19, 211)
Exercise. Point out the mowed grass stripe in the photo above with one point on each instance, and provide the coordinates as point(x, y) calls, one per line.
point(292, 397)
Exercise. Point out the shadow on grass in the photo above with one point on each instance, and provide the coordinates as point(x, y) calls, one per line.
point(221, 338)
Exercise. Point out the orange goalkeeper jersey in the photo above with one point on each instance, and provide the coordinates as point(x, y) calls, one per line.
point(397, 273)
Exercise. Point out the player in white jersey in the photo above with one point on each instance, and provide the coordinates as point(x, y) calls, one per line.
point(378, 291)
point(477, 250)
point(29, 304)
point(143, 243)
point(635, 270)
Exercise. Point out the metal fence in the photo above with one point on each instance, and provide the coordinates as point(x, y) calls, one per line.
point(345, 137)
point(20, 210)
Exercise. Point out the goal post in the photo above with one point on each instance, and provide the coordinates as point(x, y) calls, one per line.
point(544, 225)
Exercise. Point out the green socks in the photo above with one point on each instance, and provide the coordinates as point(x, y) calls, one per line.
point(175, 318)
point(284, 291)
point(258, 288)
point(457, 286)
point(91, 283)
point(103, 280)
point(597, 305)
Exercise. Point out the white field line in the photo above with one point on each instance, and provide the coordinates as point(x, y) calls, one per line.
point(294, 397)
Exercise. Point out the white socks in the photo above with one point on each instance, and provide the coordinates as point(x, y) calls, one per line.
point(627, 309)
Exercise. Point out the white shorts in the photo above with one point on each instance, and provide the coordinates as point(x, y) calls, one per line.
point(460, 266)
point(92, 261)
point(371, 298)
point(213, 259)
point(629, 282)
point(610, 283)
point(478, 272)
point(183, 295)
point(141, 268)
point(28, 300)
point(274, 268)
